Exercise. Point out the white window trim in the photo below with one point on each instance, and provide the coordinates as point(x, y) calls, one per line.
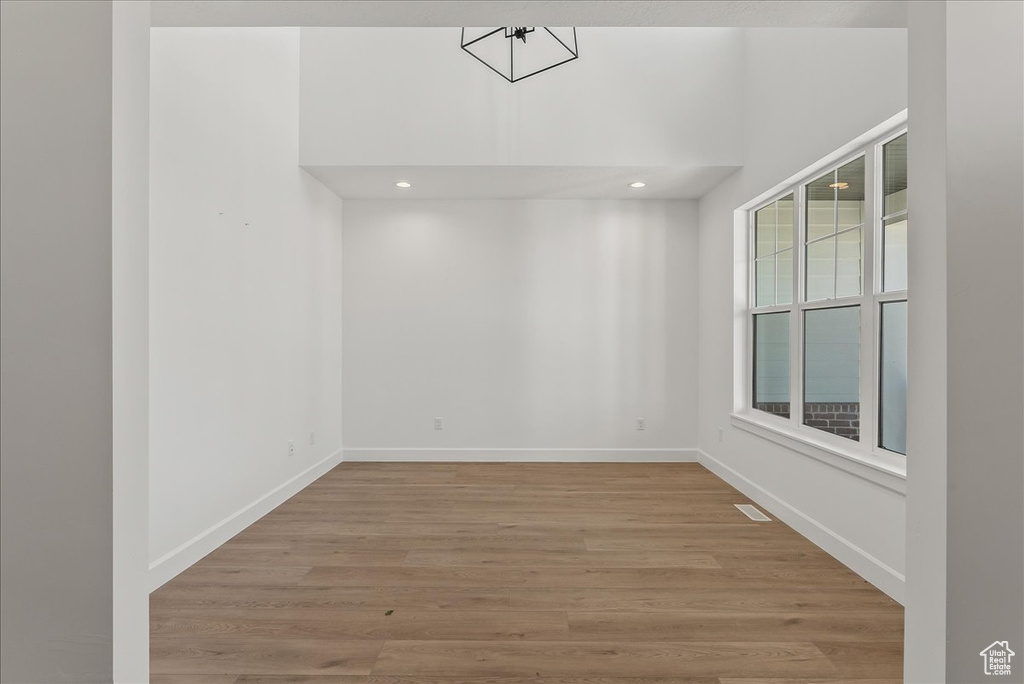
point(863, 458)
point(888, 470)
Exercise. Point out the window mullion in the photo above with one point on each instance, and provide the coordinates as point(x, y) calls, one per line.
point(894, 296)
point(776, 251)
point(835, 234)
point(776, 226)
point(796, 319)
point(870, 310)
point(752, 260)
point(877, 220)
point(835, 265)
point(771, 309)
point(748, 365)
point(776, 301)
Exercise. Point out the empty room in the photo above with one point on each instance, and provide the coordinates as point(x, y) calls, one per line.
point(370, 343)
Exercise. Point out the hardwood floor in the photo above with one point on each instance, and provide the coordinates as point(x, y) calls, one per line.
point(507, 573)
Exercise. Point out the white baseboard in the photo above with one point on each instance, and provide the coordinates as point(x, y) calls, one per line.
point(522, 455)
point(846, 552)
point(180, 559)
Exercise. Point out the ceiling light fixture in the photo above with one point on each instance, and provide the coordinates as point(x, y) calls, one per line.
point(403, 184)
point(841, 185)
point(518, 52)
point(637, 184)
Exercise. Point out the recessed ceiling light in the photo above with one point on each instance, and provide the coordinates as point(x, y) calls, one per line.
point(637, 184)
point(403, 184)
point(839, 186)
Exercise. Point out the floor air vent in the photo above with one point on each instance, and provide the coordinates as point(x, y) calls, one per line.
point(751, 512)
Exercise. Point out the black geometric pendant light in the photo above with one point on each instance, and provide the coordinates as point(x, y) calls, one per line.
point(518, 52)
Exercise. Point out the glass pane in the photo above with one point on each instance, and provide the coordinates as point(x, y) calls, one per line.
point(892, 404)
point(764, 287)
point(894, 230)
point(849, 187)
point(895, 203)
point(894, 255)
point(771, 363)
point(835, 201)
point(821, 209)
point(894, 173)
point(821, 256)
point(785, 277)
point(832, 370)
point(785, 226)
point(764, 230)
point(848, 264)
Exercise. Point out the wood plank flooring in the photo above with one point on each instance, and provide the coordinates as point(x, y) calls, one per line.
point(508, 573)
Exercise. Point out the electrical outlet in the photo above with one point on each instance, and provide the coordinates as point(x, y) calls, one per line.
point(641, 423)
point(721, 435)
point(312, 438)
point(438, 423)
point(291, 448)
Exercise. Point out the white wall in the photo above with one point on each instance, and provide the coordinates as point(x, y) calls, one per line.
point(56, 498)
point(801, 105)
point(985, 344)
point(411, 96)
point(245, 258)
point(924, 648)
point(130, 344)
point(808, 91)
point(530, 325)
point(964, 503)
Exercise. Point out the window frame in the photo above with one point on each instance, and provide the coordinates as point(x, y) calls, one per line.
point(871, 298)
point(879, 295)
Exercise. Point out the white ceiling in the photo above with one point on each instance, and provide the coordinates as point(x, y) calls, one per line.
point(746, 13)
point(519, 182)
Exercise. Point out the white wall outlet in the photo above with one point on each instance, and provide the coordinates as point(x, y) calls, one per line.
point(438, 423)
point(641, 423)
point(312, 438)
point(721, 435)
point(291, 448)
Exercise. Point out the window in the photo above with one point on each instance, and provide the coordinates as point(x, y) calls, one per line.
point(828, 302)
point(892, 324)
point(894, 219)
point(771, 363)
point(892, 395)
point(835, 223)
point(773, 261)
point(832, 370)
